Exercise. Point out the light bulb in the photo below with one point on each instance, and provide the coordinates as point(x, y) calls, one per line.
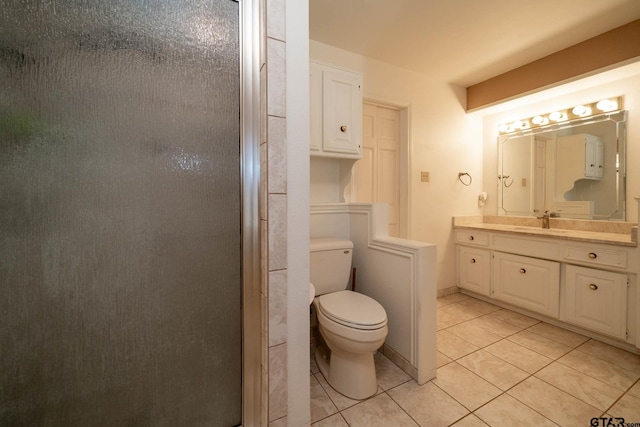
point(556, 116)
point(607, 105)
point(581, 110)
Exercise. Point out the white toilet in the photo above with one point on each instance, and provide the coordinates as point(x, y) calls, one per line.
point(352, 325)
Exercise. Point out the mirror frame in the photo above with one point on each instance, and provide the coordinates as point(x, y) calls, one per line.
point(618, 117)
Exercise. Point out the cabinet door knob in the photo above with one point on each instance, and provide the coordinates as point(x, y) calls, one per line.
point(593, 255)
point(470, 237)
point(522, 271)
point(343, 128)
point(593, 287)
point(473, 261)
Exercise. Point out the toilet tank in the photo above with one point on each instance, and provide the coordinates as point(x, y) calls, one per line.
point(330, 264)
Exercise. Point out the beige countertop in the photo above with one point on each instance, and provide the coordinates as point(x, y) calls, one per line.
point(532, 227)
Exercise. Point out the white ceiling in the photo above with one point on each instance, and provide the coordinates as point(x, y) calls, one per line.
point(463, 42)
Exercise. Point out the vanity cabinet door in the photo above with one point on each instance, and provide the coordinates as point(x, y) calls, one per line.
point(529, 283)
point(474, 270)
point(596, 300)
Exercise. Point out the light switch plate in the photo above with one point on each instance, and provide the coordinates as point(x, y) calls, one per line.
point(424, 176)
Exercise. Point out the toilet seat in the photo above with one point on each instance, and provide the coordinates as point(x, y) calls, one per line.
point(353, 310)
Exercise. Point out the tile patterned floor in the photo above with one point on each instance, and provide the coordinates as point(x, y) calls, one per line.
point(495, 367)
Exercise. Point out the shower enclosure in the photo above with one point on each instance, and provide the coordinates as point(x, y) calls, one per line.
point(121, 213)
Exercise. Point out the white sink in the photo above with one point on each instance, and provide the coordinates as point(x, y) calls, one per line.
point(312, 293)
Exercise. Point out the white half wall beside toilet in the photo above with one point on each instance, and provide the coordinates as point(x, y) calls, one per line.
point(400, 274)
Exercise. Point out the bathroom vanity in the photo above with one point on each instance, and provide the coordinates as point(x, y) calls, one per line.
point(582, 277)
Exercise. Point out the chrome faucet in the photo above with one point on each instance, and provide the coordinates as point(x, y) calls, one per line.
point(545, 218)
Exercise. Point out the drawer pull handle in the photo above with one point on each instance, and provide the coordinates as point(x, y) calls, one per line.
point(471, 237)
point(593, 287)
point(343, 128)
point(522, 271)
point(593, 255)
point(473, 260)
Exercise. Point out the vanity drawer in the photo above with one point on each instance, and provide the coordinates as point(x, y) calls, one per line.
point(597, 255)
point(472, 237)
point(538, 248)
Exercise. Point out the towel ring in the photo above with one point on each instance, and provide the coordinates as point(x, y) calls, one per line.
point(504, 179)
point(461, 174)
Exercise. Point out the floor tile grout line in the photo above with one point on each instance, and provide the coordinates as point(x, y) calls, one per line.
point(498, 357)
point(540, 353)
point(567, 393)
point(605, 360)
point(328, 397)
point(598, 379)
point(623, 391)
point(403, 410)
point(533, 409)
point(451, 396)
point(554, 340)
point(620, 397)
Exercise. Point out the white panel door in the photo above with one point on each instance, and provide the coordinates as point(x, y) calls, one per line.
point(377, 174)
point(365, 168)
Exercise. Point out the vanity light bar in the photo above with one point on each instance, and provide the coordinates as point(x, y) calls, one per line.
point(578, 112)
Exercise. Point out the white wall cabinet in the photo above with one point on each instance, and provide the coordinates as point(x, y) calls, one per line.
point(336, 112)
point(527, 282)
point(596, 300)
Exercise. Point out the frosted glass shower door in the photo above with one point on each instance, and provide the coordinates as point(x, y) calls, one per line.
point(120, 216)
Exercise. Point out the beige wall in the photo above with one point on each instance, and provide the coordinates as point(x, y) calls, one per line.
point(604, 51)
point(444, 140)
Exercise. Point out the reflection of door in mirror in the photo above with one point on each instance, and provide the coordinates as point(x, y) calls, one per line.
point(516, 175)
point(539, 174)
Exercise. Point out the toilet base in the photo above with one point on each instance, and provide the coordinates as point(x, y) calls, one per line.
point(351, 374)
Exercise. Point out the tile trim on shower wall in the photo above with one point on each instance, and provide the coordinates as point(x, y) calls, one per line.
point(273, 211)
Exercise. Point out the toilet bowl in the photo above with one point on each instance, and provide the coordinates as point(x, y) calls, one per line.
point(352, 325)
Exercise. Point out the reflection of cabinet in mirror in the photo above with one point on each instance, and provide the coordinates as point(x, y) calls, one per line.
point(578, 157)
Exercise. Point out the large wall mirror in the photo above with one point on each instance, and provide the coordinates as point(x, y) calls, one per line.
point(575, 169)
